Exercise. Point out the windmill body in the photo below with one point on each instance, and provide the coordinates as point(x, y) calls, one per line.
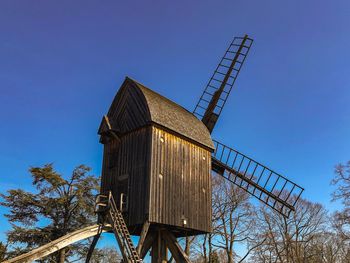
point(157, 162)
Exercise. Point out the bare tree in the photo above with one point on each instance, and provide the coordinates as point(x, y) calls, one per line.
point(329, 247)
point(233, 217)
point(292, 239)
point(105, 255)
point(342, 193)
point(233, 224)
point(306, 236)
point(203, 249)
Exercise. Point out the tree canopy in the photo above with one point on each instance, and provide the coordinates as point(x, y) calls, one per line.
point(57, 206)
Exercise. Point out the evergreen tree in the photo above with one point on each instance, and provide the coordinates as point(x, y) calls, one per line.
point(56, 207)
point(3, 249)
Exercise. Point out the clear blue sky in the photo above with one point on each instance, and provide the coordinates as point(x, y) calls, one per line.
point(61, 63)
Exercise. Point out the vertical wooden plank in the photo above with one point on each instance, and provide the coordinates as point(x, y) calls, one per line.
point(155, 164)
point(197, 185)
point(151, 180)
point(173, 177)
point(168, 175)
point(148, 168)
point(209, 192)
point(154, 178)
point(159, 171)
point(161, 182)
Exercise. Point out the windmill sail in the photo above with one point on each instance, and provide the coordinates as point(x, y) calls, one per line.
point(268, 186)
point(214, 97)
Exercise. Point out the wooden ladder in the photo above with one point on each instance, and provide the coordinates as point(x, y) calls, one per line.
point(121, 232)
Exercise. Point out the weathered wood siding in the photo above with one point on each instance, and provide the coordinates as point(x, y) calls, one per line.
point(180, 184)
point(129, 160)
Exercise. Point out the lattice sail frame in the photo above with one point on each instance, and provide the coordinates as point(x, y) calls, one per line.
point(214, 97)
point(271, 188)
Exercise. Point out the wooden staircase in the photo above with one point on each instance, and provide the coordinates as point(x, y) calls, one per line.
point(107, 208)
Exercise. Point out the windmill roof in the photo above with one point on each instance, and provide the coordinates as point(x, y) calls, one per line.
point(162, 111)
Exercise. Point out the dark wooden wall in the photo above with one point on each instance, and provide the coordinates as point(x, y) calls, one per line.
point(128, 111)
point(180, 183)
point(127, 163)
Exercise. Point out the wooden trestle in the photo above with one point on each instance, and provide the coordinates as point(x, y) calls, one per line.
point(153, 237)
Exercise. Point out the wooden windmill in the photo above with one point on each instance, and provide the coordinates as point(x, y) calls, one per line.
point(157, 165)
point(158, 159)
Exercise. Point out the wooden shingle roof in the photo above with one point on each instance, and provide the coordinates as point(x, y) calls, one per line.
point(136, 105)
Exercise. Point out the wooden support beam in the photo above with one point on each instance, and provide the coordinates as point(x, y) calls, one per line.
point(59, 243)
point(92, 247)
point(159, 249)
point(176, 251)
point(143, 235)
point(163, 251)
point(155, 252)
point(147, 244)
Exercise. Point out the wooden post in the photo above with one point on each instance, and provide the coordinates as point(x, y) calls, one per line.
point(159, 249)
point(161, 240)
point(147, 244)
point(92, 247)
point(163, 251)
point(143, 235)
point(62, 255)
